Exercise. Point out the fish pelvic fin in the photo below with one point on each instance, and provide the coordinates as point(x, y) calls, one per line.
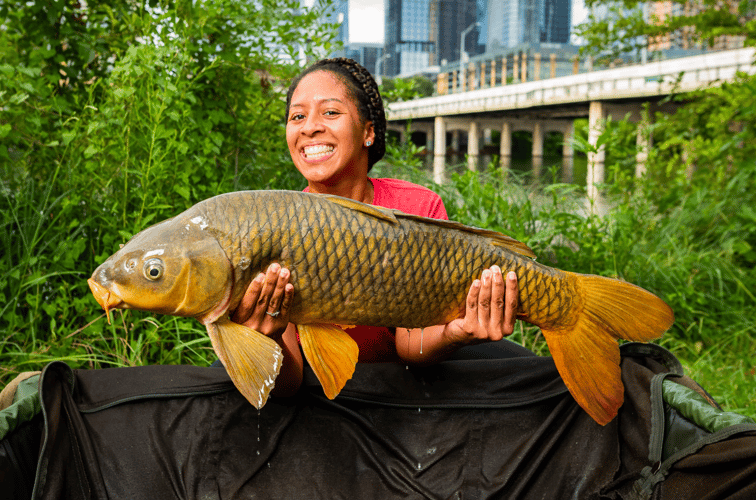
point(331, 353)
point(252, 360)
point(586, 352)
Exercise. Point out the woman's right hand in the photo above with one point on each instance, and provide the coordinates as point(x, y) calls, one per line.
point(265, 305)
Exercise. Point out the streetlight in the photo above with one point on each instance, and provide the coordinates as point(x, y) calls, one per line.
point(378, 65)
point(462, 51)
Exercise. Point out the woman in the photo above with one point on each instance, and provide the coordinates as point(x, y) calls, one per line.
point(336, 132)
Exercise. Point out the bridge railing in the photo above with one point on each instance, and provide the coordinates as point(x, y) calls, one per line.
point(529, 64)
point(656, 78)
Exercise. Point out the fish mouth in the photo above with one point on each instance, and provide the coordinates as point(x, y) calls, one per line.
point(103, 297)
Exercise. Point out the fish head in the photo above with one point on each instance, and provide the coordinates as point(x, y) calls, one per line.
point(163, 270)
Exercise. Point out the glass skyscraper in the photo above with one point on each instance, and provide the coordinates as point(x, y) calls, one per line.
point(423, 33)
point(516, 22)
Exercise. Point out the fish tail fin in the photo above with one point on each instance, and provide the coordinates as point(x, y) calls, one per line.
point(331, 353)
point(586, 352)
point(252, 360)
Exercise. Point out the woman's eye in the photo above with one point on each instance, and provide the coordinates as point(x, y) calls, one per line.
point(297, 116)
point(331, 112)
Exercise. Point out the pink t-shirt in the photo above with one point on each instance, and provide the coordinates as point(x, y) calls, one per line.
point(378, 344)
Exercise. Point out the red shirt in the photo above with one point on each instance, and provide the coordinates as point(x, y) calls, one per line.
point(378, 344)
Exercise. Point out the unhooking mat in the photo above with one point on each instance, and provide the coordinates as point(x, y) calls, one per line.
point(470, 429)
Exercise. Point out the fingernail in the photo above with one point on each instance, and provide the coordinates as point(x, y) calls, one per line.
point(496, 274)
point(284, 273)
point(512, 275)
point(259, 278)
point(476, 283)
point(486, 276)
point(274, 268)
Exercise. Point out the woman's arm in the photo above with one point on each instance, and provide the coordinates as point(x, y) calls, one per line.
point(490, 314)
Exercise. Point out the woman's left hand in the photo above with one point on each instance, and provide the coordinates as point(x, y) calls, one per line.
point(490, 311)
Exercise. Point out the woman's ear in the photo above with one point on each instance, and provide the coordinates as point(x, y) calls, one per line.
point(369, 134)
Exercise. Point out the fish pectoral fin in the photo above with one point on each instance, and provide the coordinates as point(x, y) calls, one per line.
point(252, 360)
point(331, 353)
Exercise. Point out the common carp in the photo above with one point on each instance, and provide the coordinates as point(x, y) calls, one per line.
point(358, 264)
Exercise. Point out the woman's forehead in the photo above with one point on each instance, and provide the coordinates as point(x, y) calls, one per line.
point(321, 86)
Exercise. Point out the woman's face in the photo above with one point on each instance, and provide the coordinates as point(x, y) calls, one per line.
point(324, 131)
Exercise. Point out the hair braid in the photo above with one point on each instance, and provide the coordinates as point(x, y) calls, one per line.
point(363, 89)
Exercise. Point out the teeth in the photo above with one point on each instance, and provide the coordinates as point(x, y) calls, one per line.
point(315, 152)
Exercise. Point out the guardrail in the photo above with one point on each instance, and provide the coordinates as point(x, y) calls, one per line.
point(642, 80)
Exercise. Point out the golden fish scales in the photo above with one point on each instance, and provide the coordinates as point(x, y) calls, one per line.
point(353, 263)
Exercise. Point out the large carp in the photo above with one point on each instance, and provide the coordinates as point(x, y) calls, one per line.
point(358, 264)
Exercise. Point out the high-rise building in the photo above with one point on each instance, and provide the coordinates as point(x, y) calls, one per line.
point(423, 33)
point(516, 22)
point(338, 13)
point(366, 54)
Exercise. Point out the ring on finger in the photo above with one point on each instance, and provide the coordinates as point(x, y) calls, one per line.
point(273, 314)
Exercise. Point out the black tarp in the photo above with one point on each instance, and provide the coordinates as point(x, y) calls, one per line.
point(464, 429)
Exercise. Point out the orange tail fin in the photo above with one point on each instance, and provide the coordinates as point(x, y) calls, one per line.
point(252, 360)
point(332, 354)
point(586, 353)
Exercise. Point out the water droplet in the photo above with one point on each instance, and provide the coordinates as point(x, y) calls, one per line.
point(422, 330)
point(418, 410)
point(419, 466)
point(258, 451)
point(431, 451)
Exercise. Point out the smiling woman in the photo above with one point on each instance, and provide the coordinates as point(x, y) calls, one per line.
point(336, 132)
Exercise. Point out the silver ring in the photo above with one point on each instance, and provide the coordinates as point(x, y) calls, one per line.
point(273, 314)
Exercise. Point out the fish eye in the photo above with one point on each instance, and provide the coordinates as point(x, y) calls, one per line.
point(153, 269)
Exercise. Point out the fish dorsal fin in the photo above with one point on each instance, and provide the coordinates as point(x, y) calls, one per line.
point(384, 214)
point(498, 239)
point(252, 360)
point(393, 216)
point(331, 353)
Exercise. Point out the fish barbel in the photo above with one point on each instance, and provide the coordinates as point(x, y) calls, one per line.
point(358, 264)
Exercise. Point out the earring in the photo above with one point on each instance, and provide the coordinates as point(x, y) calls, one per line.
point(369, 143)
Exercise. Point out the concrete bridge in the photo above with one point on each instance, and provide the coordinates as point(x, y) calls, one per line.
point(552, 104)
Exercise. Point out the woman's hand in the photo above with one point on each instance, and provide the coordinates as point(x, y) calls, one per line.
point(265, 305)
point(490, 312)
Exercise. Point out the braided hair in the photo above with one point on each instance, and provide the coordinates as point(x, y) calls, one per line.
point(364, 91)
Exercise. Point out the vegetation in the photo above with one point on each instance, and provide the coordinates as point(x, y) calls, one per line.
point(120, 115)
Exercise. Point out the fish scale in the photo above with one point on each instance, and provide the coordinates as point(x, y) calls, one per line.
point(355, 264)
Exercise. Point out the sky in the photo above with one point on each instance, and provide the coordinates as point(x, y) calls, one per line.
point(366, 19)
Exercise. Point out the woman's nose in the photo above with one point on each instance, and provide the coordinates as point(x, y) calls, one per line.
point(313, 123)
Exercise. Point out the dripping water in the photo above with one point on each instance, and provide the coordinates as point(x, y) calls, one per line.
point(421, 339)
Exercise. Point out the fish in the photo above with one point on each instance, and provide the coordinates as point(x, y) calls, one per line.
point(358, 264)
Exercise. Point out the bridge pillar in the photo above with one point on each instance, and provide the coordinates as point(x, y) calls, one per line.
point(505, 147)
point(472, 146)
point(439, 150)
point(455, 140)
point(568, 153)
point(644, 141)
point(537, 149)
point(595, 175)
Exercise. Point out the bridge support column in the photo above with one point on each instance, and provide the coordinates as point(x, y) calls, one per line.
point(455, 141)
point(568, 153)
point(644, 141)
point(439, 150)
point(537, 150)
point(472, 146)
point(596, 119)
point(505, 146)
